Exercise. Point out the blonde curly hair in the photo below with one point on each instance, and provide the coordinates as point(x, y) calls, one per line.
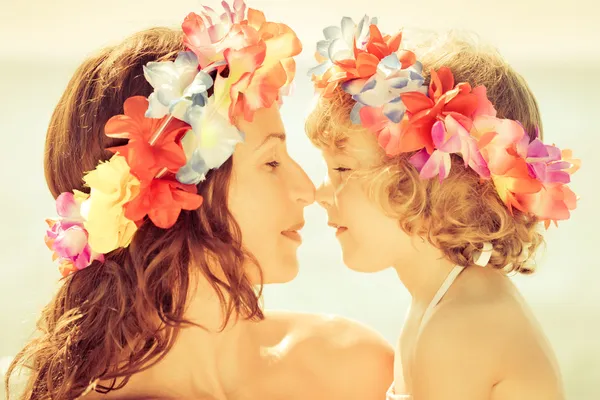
point(463, 213)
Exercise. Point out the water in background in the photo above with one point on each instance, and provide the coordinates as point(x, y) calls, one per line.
point(564, 293)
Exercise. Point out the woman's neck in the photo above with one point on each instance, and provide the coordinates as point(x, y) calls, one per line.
point(211, 356)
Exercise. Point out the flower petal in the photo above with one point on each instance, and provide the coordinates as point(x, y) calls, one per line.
point(354, 86)
point(355, 113)
point(112, 186)
point(338, 50)
point(201, 83)
point(156, 109)
point(439, 163)
point(332, 32)
point(67, 207)
point(419, 159)
point(215, 137)
point(348, 28)
point(194, 171)
point(320, 69)
point(484, 105)
point(394, 110)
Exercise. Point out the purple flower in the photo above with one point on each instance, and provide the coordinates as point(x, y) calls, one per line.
point(544, 162)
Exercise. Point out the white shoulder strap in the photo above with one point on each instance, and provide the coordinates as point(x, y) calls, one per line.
point(439, 295)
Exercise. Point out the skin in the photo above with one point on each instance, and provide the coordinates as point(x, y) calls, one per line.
point(481, 342)
point(287, 355)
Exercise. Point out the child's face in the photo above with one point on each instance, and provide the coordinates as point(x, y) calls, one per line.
point(371, 240)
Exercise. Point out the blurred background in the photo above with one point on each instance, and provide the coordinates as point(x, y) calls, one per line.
point(553, 44)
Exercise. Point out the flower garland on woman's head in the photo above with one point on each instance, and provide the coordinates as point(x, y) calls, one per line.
point(177, 134)
point(443, 119)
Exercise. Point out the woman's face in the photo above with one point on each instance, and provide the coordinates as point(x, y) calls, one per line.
point(371, 241)
point(267, 195)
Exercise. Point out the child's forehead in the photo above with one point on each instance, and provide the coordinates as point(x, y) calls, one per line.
point(362, 144)
point(358, 147)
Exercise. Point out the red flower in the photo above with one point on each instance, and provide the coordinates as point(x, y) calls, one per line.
point(145, 159)
point(444, 99)
point(162, 200)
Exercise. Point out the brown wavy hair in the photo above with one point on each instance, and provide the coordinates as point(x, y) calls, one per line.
point(114, 319)
point(459, 215)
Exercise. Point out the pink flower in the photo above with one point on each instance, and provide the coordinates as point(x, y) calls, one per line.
point(450, 137)
point(259, 54)
point(67, 237)
point(208, 34)
point(529, 175)
point(497, 139)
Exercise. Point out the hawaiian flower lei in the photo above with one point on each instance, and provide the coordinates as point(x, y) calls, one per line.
point(443, 119)
point(177, 134)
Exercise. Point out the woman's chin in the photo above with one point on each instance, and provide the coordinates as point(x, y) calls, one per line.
point(285, 271)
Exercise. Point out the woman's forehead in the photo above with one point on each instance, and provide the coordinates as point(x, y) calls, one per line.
point(266, 121)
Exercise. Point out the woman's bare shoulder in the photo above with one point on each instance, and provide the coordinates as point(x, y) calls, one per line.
point(352, 359)
point(328, 330)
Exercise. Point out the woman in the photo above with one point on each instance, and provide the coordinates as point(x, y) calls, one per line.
point(436, 167)
point(176, 199)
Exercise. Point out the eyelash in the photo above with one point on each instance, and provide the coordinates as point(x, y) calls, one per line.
point(341, 169)
point(273, 164)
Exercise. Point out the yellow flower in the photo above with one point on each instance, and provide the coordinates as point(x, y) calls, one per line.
point(112, 186)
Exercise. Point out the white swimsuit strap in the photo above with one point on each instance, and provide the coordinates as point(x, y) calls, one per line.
point(439, 294)
point(426, 315)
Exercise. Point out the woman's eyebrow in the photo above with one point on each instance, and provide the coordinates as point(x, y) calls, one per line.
point(269, 137)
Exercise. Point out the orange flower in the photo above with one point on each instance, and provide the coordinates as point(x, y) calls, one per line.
point(550, 203)
point(382, 46)
point(391, 136)
point(258, 85)
point(162, 200)
point(363, 63)
point(514, 184)
point(145, 159)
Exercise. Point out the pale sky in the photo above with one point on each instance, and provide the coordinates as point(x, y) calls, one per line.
point(552, 30)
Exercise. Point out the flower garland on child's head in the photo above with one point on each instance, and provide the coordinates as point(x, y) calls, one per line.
point(177, 134)
point(443, 119)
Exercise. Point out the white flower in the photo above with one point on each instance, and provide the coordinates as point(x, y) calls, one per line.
point(209, 144)
point(385, 87)
point(178, 86)
point(339, 42)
